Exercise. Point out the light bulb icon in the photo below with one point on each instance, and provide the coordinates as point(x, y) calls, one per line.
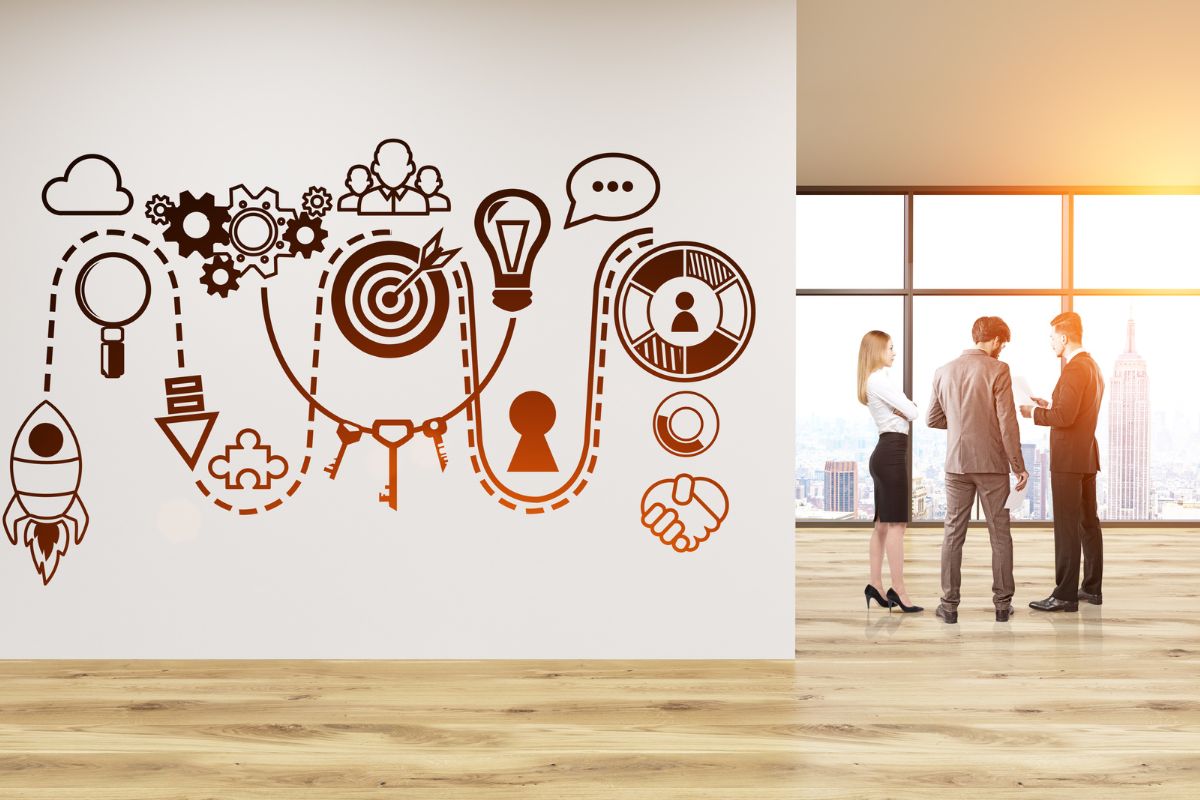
point(512, 225)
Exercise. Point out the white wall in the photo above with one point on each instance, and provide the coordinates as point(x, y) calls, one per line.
point(998, 92)
point(497, 94)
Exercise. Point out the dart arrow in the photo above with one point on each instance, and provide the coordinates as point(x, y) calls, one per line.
point(432, 257)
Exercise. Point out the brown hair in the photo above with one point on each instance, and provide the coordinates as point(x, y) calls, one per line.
point(987, 328)
point(870, 358)
point(1070, 325)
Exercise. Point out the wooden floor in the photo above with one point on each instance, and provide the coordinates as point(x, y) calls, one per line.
point(1103, 703)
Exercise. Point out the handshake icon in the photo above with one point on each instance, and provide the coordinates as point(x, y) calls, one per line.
point(684, 511)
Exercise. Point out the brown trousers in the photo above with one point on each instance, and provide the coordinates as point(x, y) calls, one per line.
point(961, 489)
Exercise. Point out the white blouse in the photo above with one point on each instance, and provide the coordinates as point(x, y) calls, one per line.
point(884, 400)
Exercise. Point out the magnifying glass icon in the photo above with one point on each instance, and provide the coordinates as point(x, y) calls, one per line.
point(112, 290)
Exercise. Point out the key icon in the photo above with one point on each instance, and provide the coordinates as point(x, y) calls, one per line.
point(392, 434)
point(348, 434)
point(434, 429)
point(389, 493)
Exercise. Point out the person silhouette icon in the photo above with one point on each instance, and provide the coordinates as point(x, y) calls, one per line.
point(685, 320)
point(358, 181)
point(532, 416)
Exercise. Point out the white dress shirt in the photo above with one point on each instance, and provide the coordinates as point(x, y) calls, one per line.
point(884, 400)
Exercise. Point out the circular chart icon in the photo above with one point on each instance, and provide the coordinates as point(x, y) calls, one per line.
point(381, 307)
point(685, 311)
point(686, 424)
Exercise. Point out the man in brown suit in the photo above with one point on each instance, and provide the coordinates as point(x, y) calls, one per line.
point(972, 399)
point(1074, 461)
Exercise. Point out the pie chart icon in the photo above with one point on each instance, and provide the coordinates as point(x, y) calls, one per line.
point(684, 311)
point(686, 424)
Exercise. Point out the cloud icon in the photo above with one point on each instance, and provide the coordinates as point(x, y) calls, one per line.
point(91, 185)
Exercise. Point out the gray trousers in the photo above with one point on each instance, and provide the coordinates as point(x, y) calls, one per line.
point(961, 489)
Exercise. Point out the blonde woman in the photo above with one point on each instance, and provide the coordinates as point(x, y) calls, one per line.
point(893, 413)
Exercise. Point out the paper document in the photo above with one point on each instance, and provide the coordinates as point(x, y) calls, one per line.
point(1016, 499)
point(1021, 392)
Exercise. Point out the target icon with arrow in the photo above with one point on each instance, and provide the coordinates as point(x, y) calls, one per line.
point(390, 298)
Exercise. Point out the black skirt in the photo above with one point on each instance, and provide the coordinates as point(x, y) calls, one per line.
point(889, 471)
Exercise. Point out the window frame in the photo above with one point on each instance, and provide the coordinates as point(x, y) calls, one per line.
point(1066, 291)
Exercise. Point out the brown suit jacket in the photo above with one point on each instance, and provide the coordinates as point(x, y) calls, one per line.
point(973, 400)
point(1074, 407)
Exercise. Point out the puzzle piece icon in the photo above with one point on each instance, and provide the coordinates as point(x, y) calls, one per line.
point(248, 463)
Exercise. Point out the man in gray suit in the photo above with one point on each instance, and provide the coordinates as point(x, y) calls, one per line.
point(973, 400)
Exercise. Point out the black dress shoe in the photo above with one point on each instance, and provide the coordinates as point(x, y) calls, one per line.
point(948, 617)
point(894, 598)
point(1052, 603)
point(873, 594)
point(1002, 614)
point(1087, 597)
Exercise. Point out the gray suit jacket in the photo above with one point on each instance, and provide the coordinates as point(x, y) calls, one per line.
point(973, 400)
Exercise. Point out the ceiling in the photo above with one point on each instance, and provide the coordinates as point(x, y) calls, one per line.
point(997, 92)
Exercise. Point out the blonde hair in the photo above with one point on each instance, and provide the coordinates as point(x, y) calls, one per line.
point(870, 358)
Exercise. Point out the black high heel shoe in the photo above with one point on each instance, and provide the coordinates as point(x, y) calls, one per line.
point(894, 599)
point(873, 594)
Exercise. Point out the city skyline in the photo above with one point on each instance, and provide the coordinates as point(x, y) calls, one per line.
point(1169, 489)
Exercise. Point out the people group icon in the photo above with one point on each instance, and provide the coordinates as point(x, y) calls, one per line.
point(393, 184)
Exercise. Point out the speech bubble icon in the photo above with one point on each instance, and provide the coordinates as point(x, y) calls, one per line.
point(612, 186)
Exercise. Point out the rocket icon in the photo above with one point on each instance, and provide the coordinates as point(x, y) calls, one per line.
point(45, 513)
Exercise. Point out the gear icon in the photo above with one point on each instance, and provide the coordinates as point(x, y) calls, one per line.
point(305, 236)
point(256, 227)
point(220, 276)
point(159, 208)
point(213, 234)
point(317, 201)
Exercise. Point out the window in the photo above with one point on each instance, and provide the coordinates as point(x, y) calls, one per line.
point(1137, 241)
point(982, 241)
point(859, 235)
point(941, 331)
point(1149, 429)
point(829, 421)
point(1125, 262)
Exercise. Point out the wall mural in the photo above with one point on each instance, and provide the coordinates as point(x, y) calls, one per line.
point(682, 312)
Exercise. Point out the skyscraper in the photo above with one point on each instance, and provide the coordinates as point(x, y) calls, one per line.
point(1043, 497)
point(920, 499)
point(841, 486)
point(1128, 467)
point(1034, 488)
